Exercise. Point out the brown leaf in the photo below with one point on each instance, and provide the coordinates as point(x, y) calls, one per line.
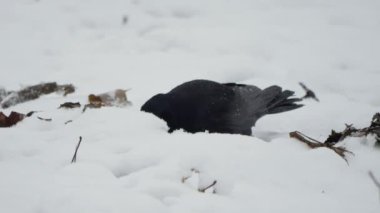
point(96, 101)
point(12, 119)
point(116, 97)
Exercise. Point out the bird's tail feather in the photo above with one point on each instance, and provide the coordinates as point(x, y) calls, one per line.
point(282, 102)
point(268, 94)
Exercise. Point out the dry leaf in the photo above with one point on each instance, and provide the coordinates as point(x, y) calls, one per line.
point(12, 119)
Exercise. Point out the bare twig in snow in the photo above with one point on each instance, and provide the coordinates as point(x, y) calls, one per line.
point(76, 150)
point(312, 143)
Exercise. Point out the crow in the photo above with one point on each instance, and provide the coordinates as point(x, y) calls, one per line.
point(204, 105)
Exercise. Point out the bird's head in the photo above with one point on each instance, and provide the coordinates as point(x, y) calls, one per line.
point(158, 105)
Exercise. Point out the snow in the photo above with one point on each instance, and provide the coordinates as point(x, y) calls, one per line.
point(127, 162)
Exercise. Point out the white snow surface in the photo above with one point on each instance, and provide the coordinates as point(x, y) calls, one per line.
point(127, 161)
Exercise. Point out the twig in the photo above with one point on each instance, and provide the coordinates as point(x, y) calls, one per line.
point(44, 119)
point(309, 92)
point(211, 185)
point(76, 150)
point(375, 181)
point(312, 143)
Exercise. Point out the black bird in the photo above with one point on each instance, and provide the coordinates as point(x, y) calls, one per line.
point(203, 105)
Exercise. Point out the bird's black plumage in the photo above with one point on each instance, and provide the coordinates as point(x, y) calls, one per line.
point(203, 105)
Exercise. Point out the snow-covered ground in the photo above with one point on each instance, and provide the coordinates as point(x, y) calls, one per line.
point(129, 163)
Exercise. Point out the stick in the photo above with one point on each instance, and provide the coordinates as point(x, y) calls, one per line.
point(76, 150)
point(312, 143)
point(204, 189)
point(375, 181)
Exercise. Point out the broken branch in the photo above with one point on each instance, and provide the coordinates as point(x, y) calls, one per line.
point(312, 143)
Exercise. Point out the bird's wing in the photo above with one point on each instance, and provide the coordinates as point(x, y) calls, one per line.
point(246, 91)
point(251, 103)
point(246, 107)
